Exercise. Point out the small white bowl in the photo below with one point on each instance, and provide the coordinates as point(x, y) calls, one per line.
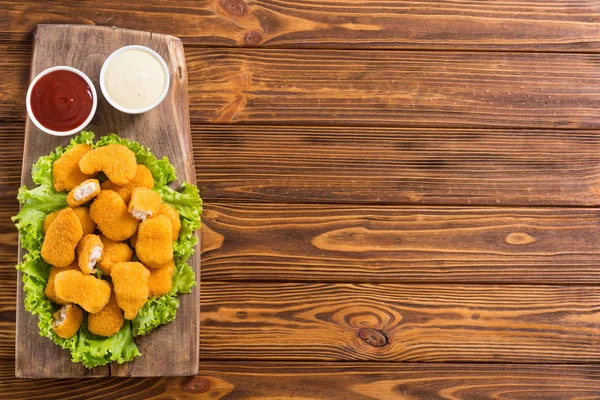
point(72, 131)
point(136, 110)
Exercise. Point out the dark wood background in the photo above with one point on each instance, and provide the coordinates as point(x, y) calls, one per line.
point(401, 197)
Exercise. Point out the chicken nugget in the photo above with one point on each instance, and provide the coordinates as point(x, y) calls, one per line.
point(114, 252)
point(110, 214)
point(133, 240)
point(83, 193)
point(91, 293)
point(130, 280)
point(144, 203)
point(89, 252)
point(83, 214)
point(61, 239)
point(67, 321)
point(86, 222)
point(65, 170)
point(173, 215)
point(49, 291)
point(161, 279)
point(154, 246)
point(108, 321)
point(49, 220)
point(143, 178)
point(115, 160)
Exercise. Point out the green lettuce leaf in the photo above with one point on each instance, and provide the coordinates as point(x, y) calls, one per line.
point(92, 350)
point(157, 311)
point(184, 278)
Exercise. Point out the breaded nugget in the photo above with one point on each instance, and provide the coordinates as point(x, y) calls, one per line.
point(61, 239)
point(83, 193)
point(49, 291)
point(83, 213)
point(50, 219)
point(89, 252)
point(144, 203)
point(86, 221)
point(173, 215)
point(115, 160)
point(114, 252)
point(133, 240)
point(110, 214)
point(130, 280)
point(67, 321)
point(89, 292)
point(154, 245)
point(143, 178)
point(65, 170)
point(108, 321)
point(161, 279)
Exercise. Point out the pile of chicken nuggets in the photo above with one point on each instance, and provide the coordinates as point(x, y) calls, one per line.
point(126, 232)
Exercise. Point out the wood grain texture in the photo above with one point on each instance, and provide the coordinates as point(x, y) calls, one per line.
point(418, 323)
point(320, 243)
point(166, 131)
point(350, 165)
point(317, 381)
point(395, 88)
point(382, 88)
point(459, 24)
point(397, 166)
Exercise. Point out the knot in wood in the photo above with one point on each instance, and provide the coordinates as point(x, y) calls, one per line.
point(252, 38)
point(373, 337)
point(519, 239)
point(236, 8)
point(196, 384)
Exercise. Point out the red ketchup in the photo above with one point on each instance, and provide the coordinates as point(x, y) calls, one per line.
point(61, 100)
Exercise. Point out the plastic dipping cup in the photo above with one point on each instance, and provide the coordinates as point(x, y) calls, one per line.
point(134, 79)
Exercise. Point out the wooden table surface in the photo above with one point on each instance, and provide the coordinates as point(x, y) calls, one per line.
point(401, 197)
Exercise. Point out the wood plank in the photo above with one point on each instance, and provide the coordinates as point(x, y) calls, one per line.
point(395, 88)
point(166, 131)
point(409, 323)
point(447, 25)
point(381, 88)
point(322, 243)
point(8, 237)
point(378, 165)
point(14, 64)
point(11, 158)
point(359, 381)
point(8, 295)
point(397, 166)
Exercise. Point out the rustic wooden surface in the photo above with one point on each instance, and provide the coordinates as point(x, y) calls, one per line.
point(384, 183)
point(334, 243)
point(166, 131)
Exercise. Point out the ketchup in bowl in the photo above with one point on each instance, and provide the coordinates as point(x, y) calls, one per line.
point(61, 100)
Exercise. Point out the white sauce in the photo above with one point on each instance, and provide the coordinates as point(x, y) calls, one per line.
point(134, 79)
point(84, 191)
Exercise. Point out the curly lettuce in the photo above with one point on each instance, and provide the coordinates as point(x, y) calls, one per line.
point(37, 203)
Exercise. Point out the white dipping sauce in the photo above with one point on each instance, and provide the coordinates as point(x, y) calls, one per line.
point(134, 79)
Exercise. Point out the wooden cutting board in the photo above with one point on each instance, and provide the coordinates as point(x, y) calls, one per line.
point(173, 348)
